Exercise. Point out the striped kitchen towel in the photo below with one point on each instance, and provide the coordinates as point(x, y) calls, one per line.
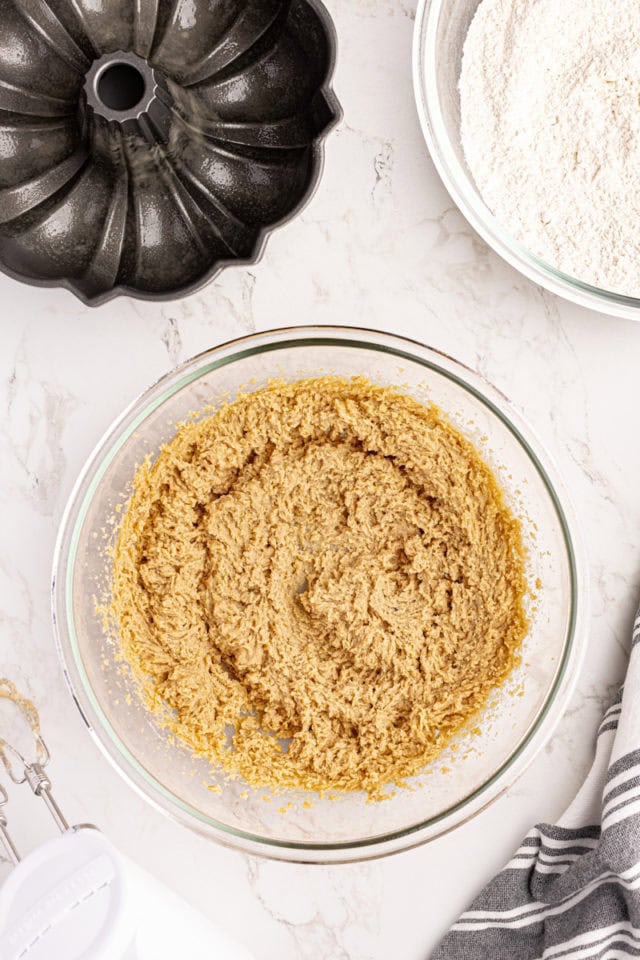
point(572, 890)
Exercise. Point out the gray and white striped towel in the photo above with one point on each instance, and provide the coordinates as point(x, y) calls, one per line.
point(572, 890)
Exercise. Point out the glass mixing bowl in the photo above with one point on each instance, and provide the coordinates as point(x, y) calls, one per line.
point(440, 31)
point(475, 769)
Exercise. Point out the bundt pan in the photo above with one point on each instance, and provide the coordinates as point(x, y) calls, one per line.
point(145, 144)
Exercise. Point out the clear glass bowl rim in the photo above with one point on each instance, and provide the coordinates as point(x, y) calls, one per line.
point(465, 195)
point(70, 656)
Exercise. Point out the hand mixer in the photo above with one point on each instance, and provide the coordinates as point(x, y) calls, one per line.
point(77, 898)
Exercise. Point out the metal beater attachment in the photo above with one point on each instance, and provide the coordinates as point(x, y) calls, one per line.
point(5, 839)
point(26, 770)
point(33, 772)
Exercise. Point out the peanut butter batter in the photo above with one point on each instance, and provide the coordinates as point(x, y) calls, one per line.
point(323, 581)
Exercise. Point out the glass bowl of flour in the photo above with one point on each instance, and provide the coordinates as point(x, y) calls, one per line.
point(531, 112)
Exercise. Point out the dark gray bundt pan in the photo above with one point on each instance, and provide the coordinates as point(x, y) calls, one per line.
point(146, 144)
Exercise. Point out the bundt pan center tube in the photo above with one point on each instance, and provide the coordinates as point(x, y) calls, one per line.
point(146, 144)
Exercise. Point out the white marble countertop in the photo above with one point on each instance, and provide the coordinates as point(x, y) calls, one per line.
point(380, 245)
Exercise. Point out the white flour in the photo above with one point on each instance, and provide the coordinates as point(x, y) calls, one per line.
point(550, 100)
